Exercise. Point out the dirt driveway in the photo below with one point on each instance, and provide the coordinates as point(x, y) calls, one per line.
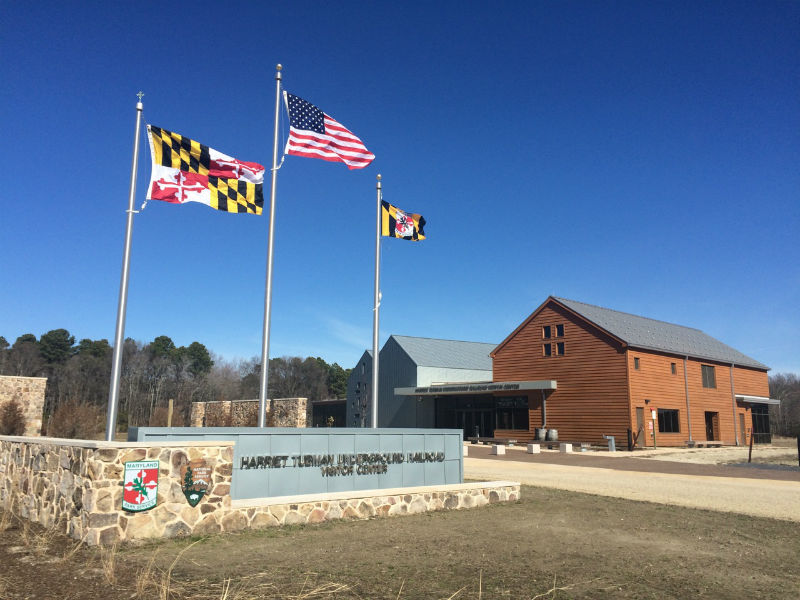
point(756, 492)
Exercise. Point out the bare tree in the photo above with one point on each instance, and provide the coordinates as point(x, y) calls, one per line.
point(785, 417)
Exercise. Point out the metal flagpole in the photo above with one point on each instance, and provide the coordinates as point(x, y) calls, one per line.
point(262, 398)
point(376, 311)
point(113, 392)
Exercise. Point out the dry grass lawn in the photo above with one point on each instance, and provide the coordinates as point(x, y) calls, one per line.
point(550, 544)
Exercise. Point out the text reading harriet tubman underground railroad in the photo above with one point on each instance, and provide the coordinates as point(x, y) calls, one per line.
point(341, 464)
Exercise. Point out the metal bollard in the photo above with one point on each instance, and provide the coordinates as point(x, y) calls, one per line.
point(612, 446)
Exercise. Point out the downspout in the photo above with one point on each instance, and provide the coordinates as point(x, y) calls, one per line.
point(686, 385)
point(544, 409)
point(733, 402)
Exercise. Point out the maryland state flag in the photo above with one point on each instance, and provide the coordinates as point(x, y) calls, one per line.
point(399, 224)
point(187, 171)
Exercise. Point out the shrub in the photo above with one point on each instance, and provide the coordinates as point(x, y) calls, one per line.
point(12, 419)
point(76, 420)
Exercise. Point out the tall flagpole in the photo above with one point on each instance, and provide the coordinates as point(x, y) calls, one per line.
point(376, 310)
point(262, 397)
point(113, 392)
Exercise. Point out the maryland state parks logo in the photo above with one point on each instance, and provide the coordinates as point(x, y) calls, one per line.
point(140, 487)
point(196, 476)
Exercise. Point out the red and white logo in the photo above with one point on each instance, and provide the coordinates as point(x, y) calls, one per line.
point(403, 225)
point(140, 486)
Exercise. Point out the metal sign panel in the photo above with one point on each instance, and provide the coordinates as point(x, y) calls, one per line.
point(276, 461)
point(140, 485)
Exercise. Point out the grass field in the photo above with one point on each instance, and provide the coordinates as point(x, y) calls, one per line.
point(550, 544)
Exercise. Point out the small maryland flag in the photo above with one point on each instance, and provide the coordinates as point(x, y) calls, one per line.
point(400, 224)
point(187, 171)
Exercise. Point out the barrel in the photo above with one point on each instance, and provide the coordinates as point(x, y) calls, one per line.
point(552, 435)
point(541, 434)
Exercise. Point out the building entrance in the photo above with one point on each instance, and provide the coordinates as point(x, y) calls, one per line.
point(712, 426)
point(474, 421)
point(486, 413)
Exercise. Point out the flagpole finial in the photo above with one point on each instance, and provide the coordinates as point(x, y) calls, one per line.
point(279, 66)
point(278, 69)
point(379, 176)
point(140, 95)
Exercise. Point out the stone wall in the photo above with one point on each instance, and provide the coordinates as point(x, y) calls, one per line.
point(76, 486)
point(281, 412)
point(29, 393)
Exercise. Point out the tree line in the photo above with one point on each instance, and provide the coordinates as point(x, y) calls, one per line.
point(79, 375)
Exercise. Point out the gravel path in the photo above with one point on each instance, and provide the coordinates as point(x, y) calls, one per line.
point(774, 498)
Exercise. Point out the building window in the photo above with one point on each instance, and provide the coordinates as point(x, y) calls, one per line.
point(512, 413)
point(547, 349)
point(668, 421)
point(709, 377)
point(636, 362)
point(560, 349)
point(673, 368)
point(559, 331)
point(546, 332)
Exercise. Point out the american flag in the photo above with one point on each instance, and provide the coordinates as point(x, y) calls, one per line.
point(314, 134)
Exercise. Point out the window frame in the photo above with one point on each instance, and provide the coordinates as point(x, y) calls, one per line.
point(560, 330)
point(547, 332)
point(709, 376)
point(636, 363)
point(673, 367)
point(560, 348)
point(669, 417)
point(547, 350)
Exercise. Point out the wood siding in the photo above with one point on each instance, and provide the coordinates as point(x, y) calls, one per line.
point(592, 395)
point(750, 382)
point(654, 381)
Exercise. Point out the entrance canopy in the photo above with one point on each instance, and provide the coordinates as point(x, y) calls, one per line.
point(757, 399)
point(476, 388)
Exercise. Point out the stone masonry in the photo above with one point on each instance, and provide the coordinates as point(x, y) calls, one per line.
point(29, 393)
point(76, 486)
point(281, 412)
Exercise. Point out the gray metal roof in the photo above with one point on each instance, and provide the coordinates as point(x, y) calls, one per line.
point(449, 354)
point(649, 334)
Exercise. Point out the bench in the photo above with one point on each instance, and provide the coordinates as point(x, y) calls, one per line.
point(706, 444)
point(493, 441)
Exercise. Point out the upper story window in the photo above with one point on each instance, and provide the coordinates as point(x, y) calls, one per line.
point(709, 376)
point(636, 362)
point(559, 330)
point(547, 332)
point(672, 368)
point(560, 349)
point(547, 349)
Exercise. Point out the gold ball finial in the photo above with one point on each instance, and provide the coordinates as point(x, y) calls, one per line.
point(279, 66)
point(379, 176)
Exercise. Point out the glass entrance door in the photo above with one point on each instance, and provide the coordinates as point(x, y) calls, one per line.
point(470, 419)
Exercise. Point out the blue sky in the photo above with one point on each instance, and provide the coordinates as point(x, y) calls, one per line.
point(638, 156)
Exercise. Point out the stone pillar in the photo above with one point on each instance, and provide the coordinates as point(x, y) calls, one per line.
point(198, 415)
point(29, 394)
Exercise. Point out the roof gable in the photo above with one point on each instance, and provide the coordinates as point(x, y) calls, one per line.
point(449, 354)
point(647, 334)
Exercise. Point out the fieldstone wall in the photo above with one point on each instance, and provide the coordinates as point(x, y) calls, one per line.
point(76, 485)
point(29, 393)
point(281, 412)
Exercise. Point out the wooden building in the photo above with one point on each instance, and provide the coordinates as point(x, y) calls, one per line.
point(585, 371)
point(616, 371)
